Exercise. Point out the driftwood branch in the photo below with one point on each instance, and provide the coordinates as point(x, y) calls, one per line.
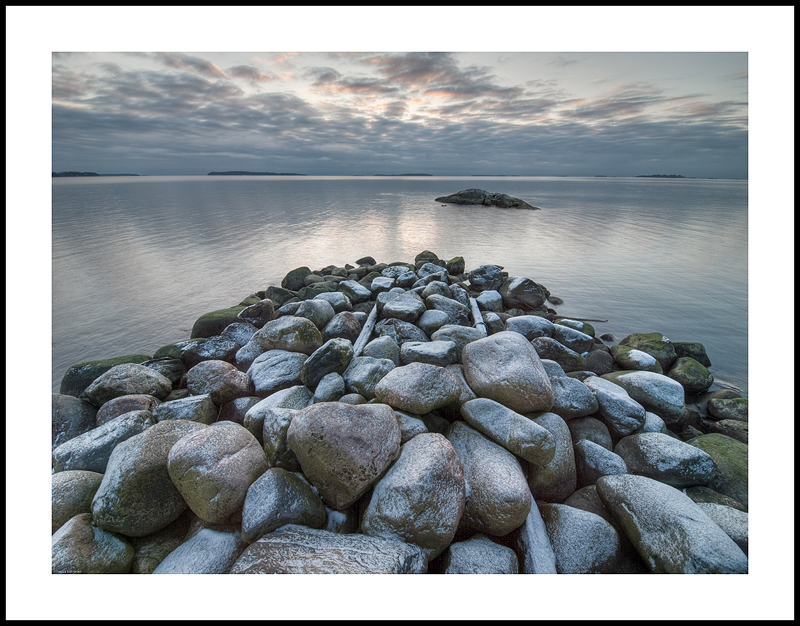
point(477, 318)
point(366, 331)
point(580, 319)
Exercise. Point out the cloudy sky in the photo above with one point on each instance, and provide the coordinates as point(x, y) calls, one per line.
point(443, 113)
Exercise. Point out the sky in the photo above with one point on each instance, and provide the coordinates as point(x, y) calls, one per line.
point(364, 113)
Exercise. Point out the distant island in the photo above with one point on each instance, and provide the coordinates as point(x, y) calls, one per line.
point(238, 173)
point(402, 174)
point(73, 174)
point(660, 176)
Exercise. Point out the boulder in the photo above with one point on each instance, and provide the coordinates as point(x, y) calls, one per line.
point(666, 459)
point(486, 278)
point(355, 291)
point(217, 348)
point(655, 392)
point(406, 307)
point(274, 370)
point(693, 349)
point(333, 356)
point(591, 429)
point(729, 519)
point(522, 293)
point(330, 388)
point(490, 300)
point(78, 377)
point(728, 408)
point(432, 320)
point(691, 374)
point(124, 404)
point(210, 551)
point(556, 480)
point(530, 326)
point(399, 331)
point(441, 353)
point(276, 449)
point(72, 493)
point(654, 344)
point(79, 547)
point(417, 388)
point(593, 461)
point(583, 542)
point(364, 373)
point(295, 334)
point(71, 417)
point(127, 379)
point(257, 314)
point(732, 428)
point(220, 380)
point(479, 555)
point(294, 280)
point(194, 409)
point(730, 458)
point(320, 312)
point(573, 339)
point(213, 323)
point(343, 325)
point(295, 397)
point(549, 348)
point(383, 348)
point(571, 398)
point(622, 413)
point(628, 358)
point(532, 544)
point(459, 335)
point(337, 300)
point(459, 314)
point(410, 426)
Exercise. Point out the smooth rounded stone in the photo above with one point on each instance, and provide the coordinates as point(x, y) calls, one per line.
point(79, 376)
point(277, 450)
point(354, 291)
point(407, 279)
point(395, 271)
point(137, 497)
point(530, 326)
point(294, 280)
point(313, 278)
point(213, 468)
point(289, 308)
point(441, 353)
point(622, 413)
point(383, 348)
point(127, 379)
point(279, 497)
point(460, 335)
point(240, 332)
point(486, 278)
point(493, 321)
point(432, 320)
point(257, 314)
point(437, 287)
point(235, 410)
point(628, 358)
point(504, 367)
point(71, 417)
point(522, 293)
point(593, 461)
point(213, 323)
point(591, 429)
point(516, 433)
point(364, 373)
point(599, 362)
point(417, 388)
point(655, 392)
point(728, 408)
point(296, 549)
point(337, 300)
point(652, 424)
point(699, 493)
point(330, 388)
point(459, 314)
point(295, 397)
point(90, 451)
point(215, 348)
point(693, 349)
point(406, 307)
point(730, 458)
point(219, 379)
point(208, 552)
point(671, 533)
point(557, 479)
point(72, 493)
point(584, 327)
point(532, 544)
point(309, 292)
point(430, 269)
point(343, 449)
point(459, 291)
point(490, 300)
point(247, 354)
point(344, 325)
point(731, 428)
point(124, 404)
point(278, 295)
point(194, 409)
point(583, 542)
point(668, 460)
point(295, 334)
point(498, 497)
point(383, 298)
point(381, 283)
point(367, 260)
point(410, 426)
point(573, 339)
point(730, 520)
point(655, 344)
point(79, 547)
point(319, 312)
point(549, 348)
point(571, 398)
point(353, 398)
point(333, 356)
point(479, 555)
point(421, 498)
point(151, 549)
point(552, 369)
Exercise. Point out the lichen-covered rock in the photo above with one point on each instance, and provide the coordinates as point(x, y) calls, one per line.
point(421, 498)
point(221, 380)
point(343, 449)
point(213, 468)
point(730, 458)
point(194, 409)
point(126, 379)
point(699, 493)
point(498, 497)
point(671, 533)
point(274, 370)
point(504, 367)
point(654, 344)
point(295, 334)
point(693, 376)
point(571, 398)
point(210, 551)
point(279, 497)
point(583, 543)
point(410, 426)
point(417, 388)
point(693, 349)
point(213, 323)
point(79, 547)
point(622, 413)
point(71, 417)
point(665, 459)
point(728, 408)
point(296, 549)
point(628, 358)
point(735, 429)
point(655, 392)
point(479, 555)
point(293, 280)
point(516, 433)
point(137, 496)
point(557, 479)
point(72, 493)
point(79, 376)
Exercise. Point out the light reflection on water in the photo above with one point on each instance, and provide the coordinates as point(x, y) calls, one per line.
point(137, 260)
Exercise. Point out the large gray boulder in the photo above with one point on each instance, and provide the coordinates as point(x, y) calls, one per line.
point(274, 370)
point(532, 543)
point(556, 480)
point(573, 339)
point(320, 312)
point(71, 417)
point(421, 498)
point(295, 334)
point(671, 533)
point(333, 356)
point(406, 306)
point(258, 313)
point(364, 373)
point(343, 449)
point(221, 380)
point(571, 398)
point(79, 547)
point(210, 551)
point(479, 555)
point(124, 404)
point(733, 521)
point(72, 493)
point(622, 413)
point(276, 448)
point(522, 293)
point(666, 459)
point(417, 388)
point(194, 409)
point(126, 379)
point(504, 367)
point(593, 461)
point(486, 278)
point(296, 549)
point(655, 392)
point(441, 353)
point(460, 335)
point(530, 326)
point(137, 496)
point(567, 358)
point(459, 314)
point(296, 397)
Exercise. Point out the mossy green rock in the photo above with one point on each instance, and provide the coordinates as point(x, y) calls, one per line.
point(728, 408)
point(294, 280)
point(213, 323)
point(694, 349)
point(655, 344)
point(80, 376)
point(691, 374)
point(629, 358)
point(730, 457)
point(456, 266)
point(700, 493)
point(175, 350)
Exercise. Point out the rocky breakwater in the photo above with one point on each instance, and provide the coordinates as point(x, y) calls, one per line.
point(409, 417)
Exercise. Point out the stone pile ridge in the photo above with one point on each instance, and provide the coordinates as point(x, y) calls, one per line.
point(407, 417)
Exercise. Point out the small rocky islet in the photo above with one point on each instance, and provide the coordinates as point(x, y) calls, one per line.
point(409, 417)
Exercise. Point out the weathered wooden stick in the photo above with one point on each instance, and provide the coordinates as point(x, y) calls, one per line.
point(366, 331)
point(477, 318)
point(580, 319)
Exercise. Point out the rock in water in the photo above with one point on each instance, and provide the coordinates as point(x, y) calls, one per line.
point(479, 196)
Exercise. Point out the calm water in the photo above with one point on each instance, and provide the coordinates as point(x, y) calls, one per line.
point(136, 260)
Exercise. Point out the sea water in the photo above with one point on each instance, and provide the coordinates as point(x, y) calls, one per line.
point(136, 260)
